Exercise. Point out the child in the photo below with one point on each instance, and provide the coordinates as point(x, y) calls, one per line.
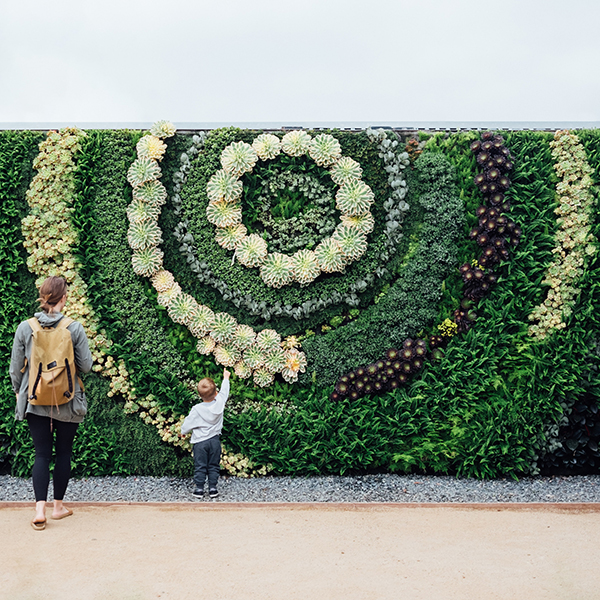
point(205, 421)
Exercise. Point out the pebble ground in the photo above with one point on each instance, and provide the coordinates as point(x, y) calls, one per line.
point(365, 488)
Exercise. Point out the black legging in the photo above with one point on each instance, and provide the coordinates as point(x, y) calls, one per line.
point(42, 441)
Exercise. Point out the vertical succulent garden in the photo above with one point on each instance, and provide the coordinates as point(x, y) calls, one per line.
point(440, 292)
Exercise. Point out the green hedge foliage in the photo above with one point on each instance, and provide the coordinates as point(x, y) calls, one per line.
point(497, 404)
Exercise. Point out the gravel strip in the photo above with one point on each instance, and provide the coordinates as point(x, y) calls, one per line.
point(365, 488)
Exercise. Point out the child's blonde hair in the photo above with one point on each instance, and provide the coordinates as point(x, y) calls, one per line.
point(207, 388)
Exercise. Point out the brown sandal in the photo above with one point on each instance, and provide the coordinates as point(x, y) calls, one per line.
point(67, 514)
point(38, 525)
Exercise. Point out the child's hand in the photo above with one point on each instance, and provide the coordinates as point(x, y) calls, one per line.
point(226, 374)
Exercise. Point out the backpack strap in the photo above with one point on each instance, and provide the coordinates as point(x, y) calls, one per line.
point(64, 323)
point(34, 324)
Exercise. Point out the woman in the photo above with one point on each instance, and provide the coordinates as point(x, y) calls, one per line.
point(45, 421)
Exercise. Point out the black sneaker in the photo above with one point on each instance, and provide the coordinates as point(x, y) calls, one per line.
point(213, 493)
point(198, 493)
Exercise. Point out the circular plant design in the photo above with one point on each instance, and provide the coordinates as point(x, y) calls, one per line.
point(217, 333)
point(353, 199)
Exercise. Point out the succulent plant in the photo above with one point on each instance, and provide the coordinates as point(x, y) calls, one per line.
point(354, 198)
point(182, 309)
point(268, 339)
point(224, 186)
point(277, 270)
point(254, 357)
point(352, 242)
point(224, 214)
point(229, 237)
point(151, 146)
point(263, 378)
point(244, 337)
point(139, 211)
point(251, 251)
point(242, 370)
point(274, 360)
point(364, 223)
point(166, 297)
point(162, 280)
point(330, 256)
point(305, 266)
point(147, 261)
point(151, 192)
point(163, 129)
point(325, 150)
point(202, 321)
point(223, 328)
point(345, 169)
point(205, 345)
point(238, 158)
point(142, 170)
point(267, 146)
point(144, 235)
point(296, 143)
point(227, 355)
point(295, 362)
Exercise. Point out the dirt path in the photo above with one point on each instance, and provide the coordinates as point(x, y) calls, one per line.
point(317, 552)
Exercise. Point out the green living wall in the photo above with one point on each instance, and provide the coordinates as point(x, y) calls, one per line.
point(459, 333)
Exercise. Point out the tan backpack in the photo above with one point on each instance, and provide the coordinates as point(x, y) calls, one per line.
point(52, 364)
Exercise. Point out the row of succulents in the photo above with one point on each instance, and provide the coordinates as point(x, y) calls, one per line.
point(232, 344)
point(354, 198)
point(493, 233)
point(575, 243)
point(50, 240)
point(395, 207)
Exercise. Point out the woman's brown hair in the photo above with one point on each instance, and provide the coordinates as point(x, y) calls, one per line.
point(51, 292)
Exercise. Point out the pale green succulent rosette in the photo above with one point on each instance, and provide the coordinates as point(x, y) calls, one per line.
point(144, 235)
point(238, 158)
point(267, 146)
point(242, 370)
point(206, 345)
point(263, 377)
point(296, 143)
point(162, 280)
point(251, 251)
point(364, 223)
point(147, 262)
point(354, 198)
point(182, 309)
point(305, 266)
point(163, 129)
point(244, 337)
point(151, 192)
point(254, 357)
point(202, 322)
point(223, 328)
point(277, 270)
point(230, 237)
point(152, 147)
point(268, 339)
point(224, 214)
point(330, 256)
point(351, 240)
point(227, 355)
point(345, 169)
point(143, 170)
point(325, 150)
point(224, 186)
point(139, 211)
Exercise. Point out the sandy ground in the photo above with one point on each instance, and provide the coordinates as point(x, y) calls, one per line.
point(330, 552)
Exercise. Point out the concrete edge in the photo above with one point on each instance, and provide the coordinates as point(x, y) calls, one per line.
point(569, 507)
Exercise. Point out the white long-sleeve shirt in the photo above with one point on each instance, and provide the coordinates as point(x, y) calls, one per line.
point(206, 419)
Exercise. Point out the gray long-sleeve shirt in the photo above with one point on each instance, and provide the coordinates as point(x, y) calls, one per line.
point(72, 411)
point(206, 419)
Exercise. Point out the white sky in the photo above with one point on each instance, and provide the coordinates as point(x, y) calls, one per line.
point(309, 60)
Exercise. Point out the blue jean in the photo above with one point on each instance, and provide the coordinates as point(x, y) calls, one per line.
point(207, 458)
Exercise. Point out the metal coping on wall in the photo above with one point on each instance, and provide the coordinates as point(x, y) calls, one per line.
point(402, 127)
